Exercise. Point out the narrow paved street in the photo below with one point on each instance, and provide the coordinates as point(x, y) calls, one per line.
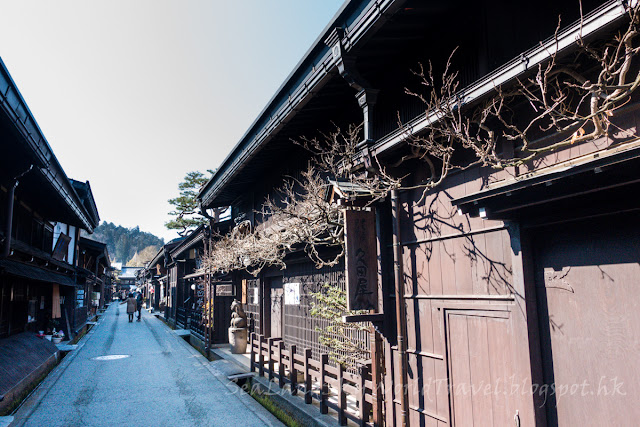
point(162, 381)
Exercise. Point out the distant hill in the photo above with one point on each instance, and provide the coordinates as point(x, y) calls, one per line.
point(124, 243)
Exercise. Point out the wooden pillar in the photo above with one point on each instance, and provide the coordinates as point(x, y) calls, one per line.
point(252, 353)
point(376, 376)
point(260, 356)
point(280, 364)
point(342, 397)
point(362, 401)
point(307, 376)
point(324, 390)
point(269, 358)
point(293, 373)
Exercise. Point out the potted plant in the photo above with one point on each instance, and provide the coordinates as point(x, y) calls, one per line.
point(57, 337)
point(51, 328)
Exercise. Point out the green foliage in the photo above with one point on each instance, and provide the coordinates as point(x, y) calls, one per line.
point(123, 242)
point(331, 304)
point(185, 213)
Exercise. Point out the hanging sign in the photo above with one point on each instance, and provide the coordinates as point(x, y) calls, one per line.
point(200, 294)
point(361, 260)
point(244, 291)
point(292, 293)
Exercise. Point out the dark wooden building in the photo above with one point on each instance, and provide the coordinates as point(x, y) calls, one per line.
point(155, 277)
point(517, 287)
point(94, 266)
point(186, 293)
point(42, 212)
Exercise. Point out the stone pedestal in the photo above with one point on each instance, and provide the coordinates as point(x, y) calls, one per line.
point(238, 338)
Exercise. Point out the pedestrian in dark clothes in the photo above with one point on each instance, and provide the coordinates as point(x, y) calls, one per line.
point(139, 304)
point(131, 306)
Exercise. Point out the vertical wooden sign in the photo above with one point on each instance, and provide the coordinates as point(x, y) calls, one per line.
point(244, 292)
point(361, 260)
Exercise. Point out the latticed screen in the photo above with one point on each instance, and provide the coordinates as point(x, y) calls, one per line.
point(300, 327)
point(252, 308)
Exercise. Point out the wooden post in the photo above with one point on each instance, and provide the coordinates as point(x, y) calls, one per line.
point(342, 397)
point(307, 376)
point(270, 359)
point(280, 364)
point(293, 374)
point(324, 390)
point(260, 356)
point(376, 377)
point(252, 353)
point(362, 402)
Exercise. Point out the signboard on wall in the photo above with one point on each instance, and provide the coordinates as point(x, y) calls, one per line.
point(292, 293)
point(224, 290)
point(200, 294)
point(361, 259)
point(244, 291)
point(61, 248)
point(80, 298)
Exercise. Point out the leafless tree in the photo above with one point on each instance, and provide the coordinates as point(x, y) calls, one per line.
point(337, 155)
point(570, 101)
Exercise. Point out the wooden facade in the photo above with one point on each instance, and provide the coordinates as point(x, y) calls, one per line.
point(41, 213)
point(187, 295)
point(516, 289)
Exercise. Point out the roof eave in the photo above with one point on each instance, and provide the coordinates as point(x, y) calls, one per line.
point(290, 96)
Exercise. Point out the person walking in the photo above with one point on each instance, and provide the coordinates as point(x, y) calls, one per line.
point(131, 306)
point(139, 300)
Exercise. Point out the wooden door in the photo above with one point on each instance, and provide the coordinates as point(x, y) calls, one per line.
point(484, 368)
point(277, 301)
point(222, 319)
point(467, 334)
point(588, 284)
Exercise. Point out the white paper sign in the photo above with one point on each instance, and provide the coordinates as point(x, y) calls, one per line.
point(292, 293)
point(255, 296)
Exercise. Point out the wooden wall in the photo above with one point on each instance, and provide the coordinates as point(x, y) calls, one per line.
point(473, 309)
point(466, 324)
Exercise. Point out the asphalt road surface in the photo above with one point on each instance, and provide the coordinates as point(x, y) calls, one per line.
point(152, 378)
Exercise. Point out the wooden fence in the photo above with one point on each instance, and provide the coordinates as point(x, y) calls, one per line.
point(181, 318)
point(297, 368)
point(196, 325)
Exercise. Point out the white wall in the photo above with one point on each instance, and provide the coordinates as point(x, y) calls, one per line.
point(69, 230)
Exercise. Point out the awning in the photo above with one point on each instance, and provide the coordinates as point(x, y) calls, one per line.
point(34, 273)
point(578, 183)
point(194, 275)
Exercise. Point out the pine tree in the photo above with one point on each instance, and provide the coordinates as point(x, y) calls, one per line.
point(185, 212)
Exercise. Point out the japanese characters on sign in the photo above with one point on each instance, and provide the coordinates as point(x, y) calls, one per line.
point(361, 260)
point(200, 294)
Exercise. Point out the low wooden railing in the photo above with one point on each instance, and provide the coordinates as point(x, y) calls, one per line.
point(181, 317)
point(333, 380)
point(195, 325)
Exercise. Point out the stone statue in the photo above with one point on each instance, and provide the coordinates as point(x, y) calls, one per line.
point(238, 333)
point(238, 316)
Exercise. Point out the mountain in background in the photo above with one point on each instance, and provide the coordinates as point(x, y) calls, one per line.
point(126, 245)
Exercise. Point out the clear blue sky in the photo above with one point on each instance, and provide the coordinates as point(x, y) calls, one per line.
point(132, 95)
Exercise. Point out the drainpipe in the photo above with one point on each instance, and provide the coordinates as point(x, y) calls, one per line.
point(6, 250)
point(400, 311)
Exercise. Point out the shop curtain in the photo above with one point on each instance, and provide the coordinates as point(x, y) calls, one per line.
point(55, 301)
